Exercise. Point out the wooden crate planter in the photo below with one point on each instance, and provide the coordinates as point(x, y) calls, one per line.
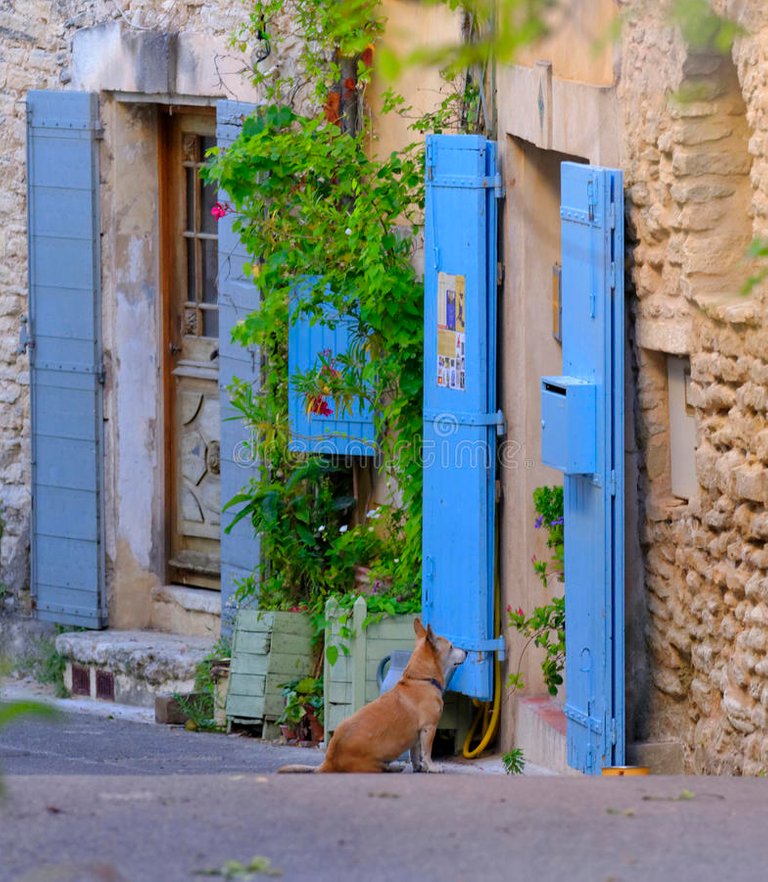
point(351, 682)
point(268, 649)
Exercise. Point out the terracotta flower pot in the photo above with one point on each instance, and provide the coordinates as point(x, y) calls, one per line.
point(288, 732)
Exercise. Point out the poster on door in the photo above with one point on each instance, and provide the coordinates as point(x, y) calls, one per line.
point(451, 334)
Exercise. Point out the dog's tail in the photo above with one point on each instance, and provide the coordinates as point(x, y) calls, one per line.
point(295, 769)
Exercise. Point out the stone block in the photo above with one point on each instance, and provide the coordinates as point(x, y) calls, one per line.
point(751, 482)
point(693, 132)
point(725, 467)
point(661, 757)
point(700, 192)
point(697, 163)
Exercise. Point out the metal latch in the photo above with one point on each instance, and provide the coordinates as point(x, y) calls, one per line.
point(25, 339)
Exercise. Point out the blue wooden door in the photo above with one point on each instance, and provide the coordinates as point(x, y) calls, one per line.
point(67, 547)
point(460, 419)
point(592, 216)
point(238, 296)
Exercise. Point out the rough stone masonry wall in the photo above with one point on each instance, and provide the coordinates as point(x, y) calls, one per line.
point(36, 53)
point(696, 135)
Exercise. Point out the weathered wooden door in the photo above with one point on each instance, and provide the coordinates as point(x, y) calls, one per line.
point(192, 351)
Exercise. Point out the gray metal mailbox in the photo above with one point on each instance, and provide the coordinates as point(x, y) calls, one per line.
point(568, 425)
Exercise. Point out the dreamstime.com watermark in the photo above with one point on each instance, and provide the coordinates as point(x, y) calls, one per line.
point(446, 444)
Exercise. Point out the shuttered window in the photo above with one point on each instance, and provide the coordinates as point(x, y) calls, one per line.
point(67, 548)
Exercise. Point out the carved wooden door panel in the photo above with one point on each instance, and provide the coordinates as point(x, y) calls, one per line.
point(192, 329)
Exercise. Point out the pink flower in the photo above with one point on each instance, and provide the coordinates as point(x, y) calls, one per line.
point(220, 210)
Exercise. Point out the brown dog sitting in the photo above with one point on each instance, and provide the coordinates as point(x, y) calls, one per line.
point(405, 718)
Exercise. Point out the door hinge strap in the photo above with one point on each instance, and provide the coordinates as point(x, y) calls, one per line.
point(468, 182)
point(448, 418)
point(70, 367)
point(589, 722)
point(493, 645)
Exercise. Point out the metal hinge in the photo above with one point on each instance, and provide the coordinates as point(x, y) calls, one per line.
point(591, 199)
point(499, 273)
point(612, 482)
point(613, 275)
point(25, 340)
point(447, 420)
point(614, 734)
point(612, 214)
point(101, 374)
point(498, 644)
point(498, 187)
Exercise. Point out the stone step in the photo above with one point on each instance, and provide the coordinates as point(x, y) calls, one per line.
point(180, 610)
point(130, 667)
point(540, 732)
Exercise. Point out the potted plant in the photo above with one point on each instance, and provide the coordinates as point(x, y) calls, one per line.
point(302, 718)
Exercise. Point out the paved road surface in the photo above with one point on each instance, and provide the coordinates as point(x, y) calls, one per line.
point(91, 800)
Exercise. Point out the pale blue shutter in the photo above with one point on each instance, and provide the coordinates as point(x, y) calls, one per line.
point(67, 548)
point(349, 433)
point(460, 417)
point(592, 223)
point(238, 296)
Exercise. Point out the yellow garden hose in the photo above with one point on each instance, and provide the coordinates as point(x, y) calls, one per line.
point(484, 709)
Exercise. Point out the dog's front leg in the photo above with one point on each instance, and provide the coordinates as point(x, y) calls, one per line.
point(426, 738)
point(416, 754)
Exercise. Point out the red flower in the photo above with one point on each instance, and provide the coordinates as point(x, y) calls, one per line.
point(318, 405)
point(367, 56)
point(350, 84)
point(220, 210)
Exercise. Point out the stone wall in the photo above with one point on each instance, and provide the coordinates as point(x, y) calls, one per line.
point(696, 169)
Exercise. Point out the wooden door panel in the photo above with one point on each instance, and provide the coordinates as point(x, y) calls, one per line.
point(193, 417)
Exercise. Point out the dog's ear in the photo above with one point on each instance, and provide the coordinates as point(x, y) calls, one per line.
point(418, 628)
point(431, 636)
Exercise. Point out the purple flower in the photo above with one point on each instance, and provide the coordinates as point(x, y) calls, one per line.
point(539, 521)
point(558, 522)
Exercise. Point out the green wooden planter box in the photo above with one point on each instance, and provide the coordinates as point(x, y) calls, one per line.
point(351, 682)
point(268, 649)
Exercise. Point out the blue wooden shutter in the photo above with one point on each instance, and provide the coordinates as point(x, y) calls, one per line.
point(592, 217)
point(67, 547)
point(238, 296)
point(460, 418)
point(349, 433)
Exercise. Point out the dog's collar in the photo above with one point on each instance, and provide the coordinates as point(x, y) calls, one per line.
point(436, 683)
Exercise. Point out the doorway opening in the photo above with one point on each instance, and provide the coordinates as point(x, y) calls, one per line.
point(190, 349)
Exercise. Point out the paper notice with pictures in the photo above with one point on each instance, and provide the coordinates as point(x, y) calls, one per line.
point(451, 336)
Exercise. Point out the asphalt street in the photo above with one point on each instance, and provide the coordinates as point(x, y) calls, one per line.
point(100, 800)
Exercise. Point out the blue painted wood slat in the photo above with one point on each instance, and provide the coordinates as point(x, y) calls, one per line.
point(67, 547)
point(238, 296)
